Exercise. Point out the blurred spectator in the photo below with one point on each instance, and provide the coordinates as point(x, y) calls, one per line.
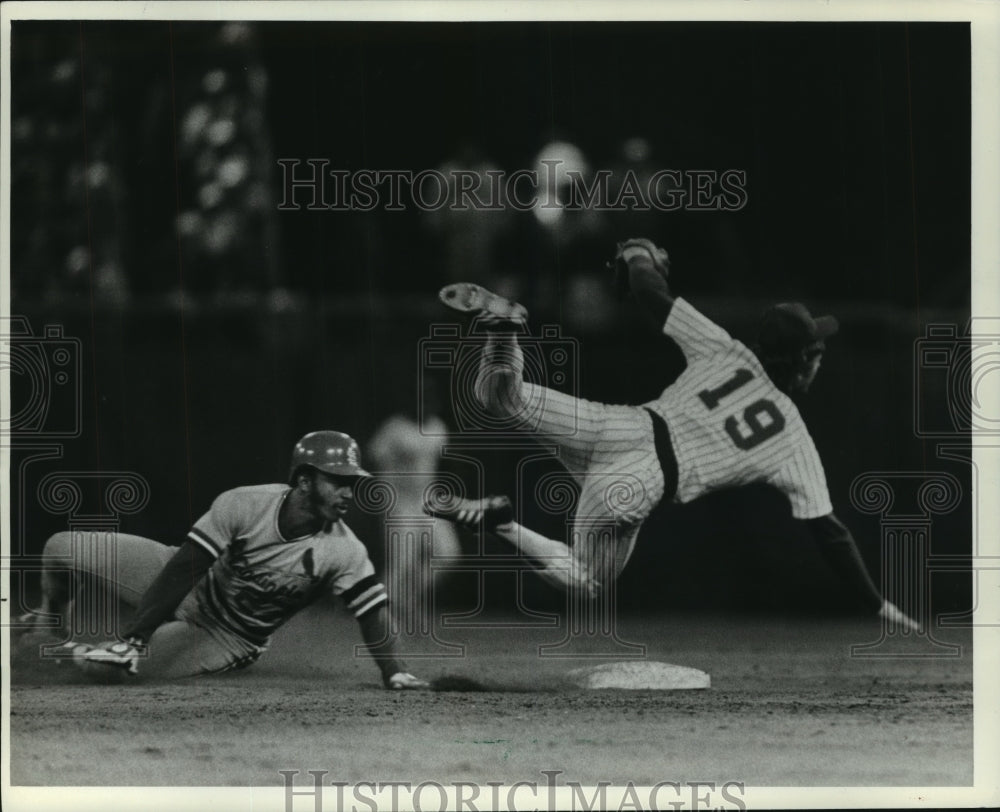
point(470, 231)
point(406, 452)
point(66, 174)
point(711, 238)
point(557, 258)
point(634, 168)
point(93, 149)
point(226, 228)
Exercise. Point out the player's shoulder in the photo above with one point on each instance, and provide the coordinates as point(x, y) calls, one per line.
point(734, 354)
point(787, 406)
point(341, 535)
point(694, 330)
point(342, 545)
point(790, 408)
point(796, 432)
point(745, 354)
point(685, 312)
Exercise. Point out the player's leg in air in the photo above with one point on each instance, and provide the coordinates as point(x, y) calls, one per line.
point(606, 524)
point(572, 423)
point(609, 451)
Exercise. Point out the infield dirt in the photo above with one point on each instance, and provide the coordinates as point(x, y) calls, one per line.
point(788, 706)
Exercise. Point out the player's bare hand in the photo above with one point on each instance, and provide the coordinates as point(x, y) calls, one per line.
point(897, 616)
point(402, 681)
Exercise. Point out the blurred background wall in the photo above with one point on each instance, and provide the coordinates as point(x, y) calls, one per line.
point(216, 328)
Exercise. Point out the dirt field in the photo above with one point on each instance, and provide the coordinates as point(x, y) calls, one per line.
point(788, 707)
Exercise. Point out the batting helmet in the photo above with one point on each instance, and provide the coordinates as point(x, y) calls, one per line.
point(331, 451)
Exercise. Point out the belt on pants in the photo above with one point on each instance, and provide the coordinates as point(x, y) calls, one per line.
point(665, 453)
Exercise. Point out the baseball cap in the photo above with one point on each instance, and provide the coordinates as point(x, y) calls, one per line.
point(790, 326)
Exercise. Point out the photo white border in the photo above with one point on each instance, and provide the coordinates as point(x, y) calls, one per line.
point(985, 33)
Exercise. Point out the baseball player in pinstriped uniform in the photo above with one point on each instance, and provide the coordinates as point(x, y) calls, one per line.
point(727, 420)
point(259, 555)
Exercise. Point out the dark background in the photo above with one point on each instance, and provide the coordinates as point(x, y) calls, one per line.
point(216, 329)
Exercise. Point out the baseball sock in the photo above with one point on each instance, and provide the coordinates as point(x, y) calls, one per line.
point(553, 559)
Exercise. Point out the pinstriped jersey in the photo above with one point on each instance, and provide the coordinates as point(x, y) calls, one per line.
point(730, 425)
point(260, 579)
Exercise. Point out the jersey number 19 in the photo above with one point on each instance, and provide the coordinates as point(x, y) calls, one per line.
point(761, 420)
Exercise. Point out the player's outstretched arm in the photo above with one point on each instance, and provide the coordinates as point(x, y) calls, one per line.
point(375, 632)
point(642, 268)
point(838, 547)
point(157, 605)
point(161, 599)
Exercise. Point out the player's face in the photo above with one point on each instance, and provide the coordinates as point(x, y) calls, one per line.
point(330, 496)
point(808, 375)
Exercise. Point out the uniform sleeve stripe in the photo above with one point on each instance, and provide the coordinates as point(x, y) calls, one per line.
point(375, 589)
point(378, 600)
point(351, 594)
point(200, 538)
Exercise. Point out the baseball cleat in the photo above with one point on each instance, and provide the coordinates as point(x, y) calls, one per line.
point(27, 625)
point(467, 297)
point(115, 655)
point(491, 511)
point(68, 651)
point(22, 624)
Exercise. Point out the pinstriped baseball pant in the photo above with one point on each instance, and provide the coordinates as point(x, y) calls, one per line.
point(609, 451)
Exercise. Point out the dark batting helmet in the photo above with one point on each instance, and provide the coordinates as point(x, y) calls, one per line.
point(330, 451)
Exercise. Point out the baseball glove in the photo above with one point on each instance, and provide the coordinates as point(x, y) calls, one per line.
point(637, 249)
